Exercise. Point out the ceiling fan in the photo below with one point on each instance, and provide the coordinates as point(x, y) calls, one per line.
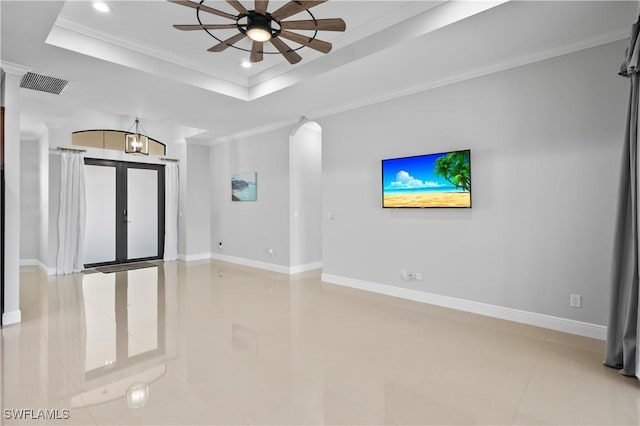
point(261, 26)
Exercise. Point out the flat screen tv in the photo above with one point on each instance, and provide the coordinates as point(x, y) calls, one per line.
point(423, 181)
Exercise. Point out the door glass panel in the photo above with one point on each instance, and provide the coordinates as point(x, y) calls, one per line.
point(142, 206)
point(100, 231)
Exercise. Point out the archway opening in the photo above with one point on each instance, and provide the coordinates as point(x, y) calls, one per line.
point(305, 186)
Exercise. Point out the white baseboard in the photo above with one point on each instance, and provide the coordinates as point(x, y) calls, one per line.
point(289, 270)
point(13, 317)
point(252, 263)
point(304, 268)
point(524, 317)
point(36, 262)
point(194, 257)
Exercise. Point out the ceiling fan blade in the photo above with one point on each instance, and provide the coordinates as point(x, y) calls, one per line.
point(256, 52)
point(205, 27)
point(294, 7)
point(336, 24)
point(286, 51)
point(319, 45)
point(261, 6)
point(237, 6)
point(203, 8)
point(228, 42)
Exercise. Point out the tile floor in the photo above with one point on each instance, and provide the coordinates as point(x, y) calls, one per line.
point(215, 343)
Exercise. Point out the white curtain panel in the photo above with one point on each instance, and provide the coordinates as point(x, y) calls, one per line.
point(624, 311)
point(73, 212)
point(172, 182)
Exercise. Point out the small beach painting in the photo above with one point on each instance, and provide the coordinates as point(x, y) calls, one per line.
point(244, 187)
point(434, 180)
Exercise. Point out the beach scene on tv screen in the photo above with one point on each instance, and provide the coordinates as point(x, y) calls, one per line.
point(436, 180)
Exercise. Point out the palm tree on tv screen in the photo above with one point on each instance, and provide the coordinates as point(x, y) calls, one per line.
point(455, 168)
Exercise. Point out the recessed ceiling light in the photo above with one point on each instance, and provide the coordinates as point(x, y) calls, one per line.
point(101, 7)
point(245, 64)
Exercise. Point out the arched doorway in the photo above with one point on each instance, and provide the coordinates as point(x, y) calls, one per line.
point(305, 195)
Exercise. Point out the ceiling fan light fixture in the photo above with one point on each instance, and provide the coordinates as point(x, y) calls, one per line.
point(259, 28)
point(259, 34)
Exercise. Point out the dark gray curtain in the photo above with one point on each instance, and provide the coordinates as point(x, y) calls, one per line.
point(623, 314)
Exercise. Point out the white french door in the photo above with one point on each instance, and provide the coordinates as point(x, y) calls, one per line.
point(142, 213)
point(100, 232)
point(125, 212)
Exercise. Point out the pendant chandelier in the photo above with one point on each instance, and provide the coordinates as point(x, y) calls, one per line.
point(136, 143)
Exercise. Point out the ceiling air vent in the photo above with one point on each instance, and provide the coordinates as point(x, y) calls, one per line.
point(43, 83)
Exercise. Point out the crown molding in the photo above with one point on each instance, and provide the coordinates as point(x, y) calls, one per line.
point(430, 20)
point(353, 35)
point(14, 69)
point(514, 62)
point(104, 49)
point(35, 135)
point(140, 48)
point(408, 22)
point(256, 131)
point(511, 63)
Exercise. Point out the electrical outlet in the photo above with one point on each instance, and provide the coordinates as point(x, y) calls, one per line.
point(411, 275)
point(575, 301)
point(270, 252)
point(419, 276)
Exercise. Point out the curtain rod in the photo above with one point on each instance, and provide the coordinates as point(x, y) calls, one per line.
point(171, 160)
point(60, 148)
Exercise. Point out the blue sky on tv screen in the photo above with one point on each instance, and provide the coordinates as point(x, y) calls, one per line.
point(412, 173)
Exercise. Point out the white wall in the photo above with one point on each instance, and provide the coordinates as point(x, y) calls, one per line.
point(53, 192)
point(29, 200)
point(198, 200)
point(11, 101)
point(43, 197)
point(546, 148)
point(181, 153)
point(305, 189)
point(248, 229)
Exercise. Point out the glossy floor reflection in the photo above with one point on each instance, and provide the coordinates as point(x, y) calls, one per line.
point(215, 343)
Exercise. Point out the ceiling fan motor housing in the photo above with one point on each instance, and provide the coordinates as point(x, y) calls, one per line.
point(259, 26)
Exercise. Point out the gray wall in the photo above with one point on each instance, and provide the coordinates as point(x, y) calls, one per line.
point(43, 203)
point(198, 196)
point(29, 199)
point(34, 199)
point(305, 189)
point(180, 153)
point(248, 229)
point(546, 148)
point(55, 178)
